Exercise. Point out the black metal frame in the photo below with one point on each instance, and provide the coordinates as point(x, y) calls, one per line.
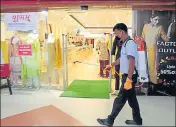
point(8, 85)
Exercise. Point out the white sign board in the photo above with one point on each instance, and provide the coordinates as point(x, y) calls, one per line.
point(21, 21)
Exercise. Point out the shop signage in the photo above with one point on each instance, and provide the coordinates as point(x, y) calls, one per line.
point(167, 62)
point(25, 50)
point(21, 21)
point(157, 28)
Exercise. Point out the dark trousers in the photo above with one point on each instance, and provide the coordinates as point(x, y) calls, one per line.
point(117, 77)
point(121, 99)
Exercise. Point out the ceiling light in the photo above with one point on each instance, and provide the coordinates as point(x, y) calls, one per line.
point(44, 12)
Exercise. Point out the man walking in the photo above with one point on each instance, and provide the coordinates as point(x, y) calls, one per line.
point(127, 61)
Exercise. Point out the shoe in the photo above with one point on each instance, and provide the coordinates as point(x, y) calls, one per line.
point(132, 122)
point(104, 122)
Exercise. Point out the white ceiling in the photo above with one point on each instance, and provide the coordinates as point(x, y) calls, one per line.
point(93, 21)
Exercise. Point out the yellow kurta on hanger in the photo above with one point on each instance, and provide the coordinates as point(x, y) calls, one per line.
point(58, 55)
point(4, 52)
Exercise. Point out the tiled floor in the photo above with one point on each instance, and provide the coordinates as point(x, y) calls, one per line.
point(155, 111)
point(44, 116)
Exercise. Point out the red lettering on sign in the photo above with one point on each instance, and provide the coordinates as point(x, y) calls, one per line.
point(17, 18)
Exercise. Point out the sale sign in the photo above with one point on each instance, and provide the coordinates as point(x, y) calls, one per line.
point(167, 62)
point(21, 21)
point(24, 50)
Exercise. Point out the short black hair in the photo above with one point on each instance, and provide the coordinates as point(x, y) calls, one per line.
point(121, 26)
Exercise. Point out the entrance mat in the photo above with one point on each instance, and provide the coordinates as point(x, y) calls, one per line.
point(44, 116)
point(87, 89)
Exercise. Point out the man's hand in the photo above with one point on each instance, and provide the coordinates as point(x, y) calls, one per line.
point(128, 84)
point(108, 67)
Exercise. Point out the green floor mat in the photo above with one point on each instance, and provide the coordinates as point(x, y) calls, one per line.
point(87, 89)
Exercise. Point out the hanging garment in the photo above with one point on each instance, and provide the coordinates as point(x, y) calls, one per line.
point(151, 34)
point(58, 54)
point(31, 64)
point(51, 58)
point(44, 58)
point(5, 70)
point(4, 52)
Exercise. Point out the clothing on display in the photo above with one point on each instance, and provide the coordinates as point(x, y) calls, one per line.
point(151, 34)
point(54, 59)
point(44, 57)
point(30, 72)
point(15, 67)
point(15, 59)
point(51, 58)
point(4, 52)
point(102, 46)
point(58, 54)
point(41, 31)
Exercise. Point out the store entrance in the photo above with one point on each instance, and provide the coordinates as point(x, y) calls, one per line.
point(86, 37)
point(67, 45)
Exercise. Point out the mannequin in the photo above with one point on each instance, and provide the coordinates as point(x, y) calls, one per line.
point(31, 64)
point(15, 59)
point(102, 46)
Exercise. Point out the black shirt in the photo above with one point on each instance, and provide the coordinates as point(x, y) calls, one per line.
point(116, 45)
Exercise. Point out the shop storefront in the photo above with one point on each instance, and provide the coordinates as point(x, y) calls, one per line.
point(29, 49)
point(52, 50)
